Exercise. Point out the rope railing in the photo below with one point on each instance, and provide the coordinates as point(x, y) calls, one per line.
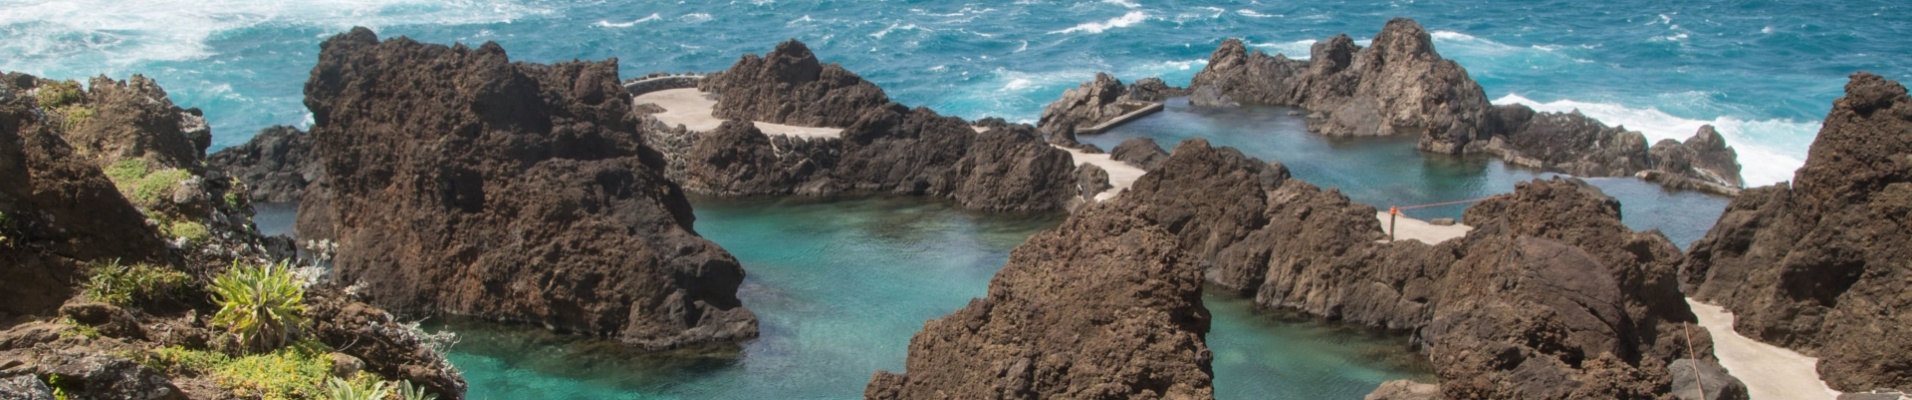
point(1394, 212)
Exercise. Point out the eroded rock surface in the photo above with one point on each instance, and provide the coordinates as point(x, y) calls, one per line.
point(789, 86)
point(459, 182)
point(1820, 266)
point(1105, 306)
point(1099, 101)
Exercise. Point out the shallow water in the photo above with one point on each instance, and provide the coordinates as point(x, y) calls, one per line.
point(841, 286)
point(1387, 172)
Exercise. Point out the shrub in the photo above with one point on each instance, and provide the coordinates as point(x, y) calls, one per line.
point(264, 305)
point(74, 117)
point(127, 173)
point(157, 188)
point(59, 94)
point(175, 360)
point(407, 391)
point(293, 372)
point(194, 232)
point(340, 389)
point(125, 286)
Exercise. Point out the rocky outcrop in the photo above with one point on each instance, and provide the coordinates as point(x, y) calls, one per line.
point(58, 211)
point(135, 119)
point(1820, 266)
point(1400, 85)
point(1091, 180)
point(1105, 306)
point(1097, 102)
point(382, 344)
point(1549, 297)
point(1141, 152)
point(887, 148)
point(789, 86)
point(1697, 380)
point(1702, 162)
point(276, 164)
point(457, 181)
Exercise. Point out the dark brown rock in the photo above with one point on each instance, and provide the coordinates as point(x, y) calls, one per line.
point(1820, 266)
point(1141, 152)
point(459, 182)
point(789, 86)
point(276, 164)
point(101, 376)
point(1091, 180)
point(1574, 144)
point(135, 119)
point(111, 321)
point(883, 149)
point(1703, 162)
point(1694, 380)
point(60, 210)
point(1105, 306)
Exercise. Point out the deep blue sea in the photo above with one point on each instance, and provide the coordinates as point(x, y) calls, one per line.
point(842, 284)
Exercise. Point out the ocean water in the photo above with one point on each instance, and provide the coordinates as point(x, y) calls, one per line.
point(1764, 72)
point(841, 285)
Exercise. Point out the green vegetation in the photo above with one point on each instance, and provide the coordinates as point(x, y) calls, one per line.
point(74, 117)
point(232, 200)
point(407, 391)
point(125, 286)
point(79, 330)
point(58, 385)
point(60, 94)
point(146, 188)
point(298, 371)
point(194, 232)
point(340, 389)
point(264, 305)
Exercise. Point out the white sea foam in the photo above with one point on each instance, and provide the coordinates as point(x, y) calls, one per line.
point(1766, 155)
point(627, 24)
point(1124, 21)
point(66, 34)
point(1252, 14)
point(804, 19)
point(1295, 50)
point(695, 18)
point(1124, 3)
point(898, 27)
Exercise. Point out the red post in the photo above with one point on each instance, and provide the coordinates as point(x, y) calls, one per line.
point(1393, 212)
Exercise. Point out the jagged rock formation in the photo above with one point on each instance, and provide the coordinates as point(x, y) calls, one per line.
point(1105, 306)
point(276, 164)
point(459, 182)
point(385, 345)
point(1096, 102)
point(1091, 180)
point(789, 86)
point(1820, 266)
point(1401, 86)
point(1549, 297)
point(886, 148)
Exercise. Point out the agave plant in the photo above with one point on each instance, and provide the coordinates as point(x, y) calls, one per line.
point(409, 392)
point(340, 389)
point(264, 305)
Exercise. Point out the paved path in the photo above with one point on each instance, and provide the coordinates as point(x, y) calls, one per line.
point(1414, 229)
point(1770, 372)
point(1121, 175)
point(689, 107)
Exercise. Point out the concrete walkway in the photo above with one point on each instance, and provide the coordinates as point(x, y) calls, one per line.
point(1770, 372)
point(689, 107)
point(1121, 174)
point(1414, 229)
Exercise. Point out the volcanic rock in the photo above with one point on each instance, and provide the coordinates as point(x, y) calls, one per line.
point(1141, 152)
point(381, 344)
point(789, 86)
point(57, 210)
point(888, 148)
point(1694, 380)
point(276, 164)
point(1703, 162)
point(101, 376)
point(135, 119)
point(1820, 266)
point(1105, 306)
point(1092, 180)
point(459, 182)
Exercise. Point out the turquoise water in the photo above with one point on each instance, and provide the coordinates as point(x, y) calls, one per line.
point(1388, 171)
point(842, 285)
point(1765, 72)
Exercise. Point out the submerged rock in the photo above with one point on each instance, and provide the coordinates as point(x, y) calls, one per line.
point(1105, 306)
point(1820, 265)
point(457, 181)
